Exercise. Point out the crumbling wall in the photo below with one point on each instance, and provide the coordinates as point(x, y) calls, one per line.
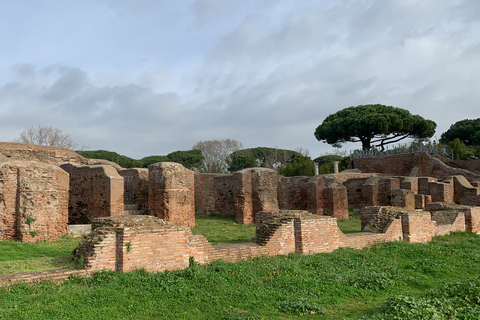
point(402, 165)
point(204, 193)
point(377, 190)
point(327, 196)
point(45, 154)
point(135, 186)
point(224, 197)
point(33, 201)
point(129, 242)
point(292, 193)
point(255, 190)
point(417, 226)
point(355, 197)
point(171, 193)
point(95, 191)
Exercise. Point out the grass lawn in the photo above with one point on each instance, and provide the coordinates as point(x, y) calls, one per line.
point(43, 255)
point(345, 284)
point(223, 229)
point(353, 224)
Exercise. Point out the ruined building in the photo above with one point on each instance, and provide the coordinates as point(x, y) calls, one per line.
point(142, 217)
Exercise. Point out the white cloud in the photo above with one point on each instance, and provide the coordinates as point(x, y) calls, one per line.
point(151, 77)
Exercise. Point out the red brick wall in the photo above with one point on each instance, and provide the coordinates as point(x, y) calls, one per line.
point(171, 193)
point(402, 165)
point(417, 226)
point(224, 194)
point(138, 180)
point(204, 193)
point(95, 191)
point(33, 201)
point(45, 154)
point(131, 242)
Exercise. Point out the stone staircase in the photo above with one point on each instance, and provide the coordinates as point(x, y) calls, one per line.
point(133, 209)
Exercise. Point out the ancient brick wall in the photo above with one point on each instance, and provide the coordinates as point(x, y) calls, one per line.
point(472, 165)
point(255, 190)
point(463, 189)
point(417, 226)
point(171, 193)
point(135, 183)
point(441, 191)
point(204, 193)
point(33, 201)
point(223, 185)
point(128, 242)
point(402, 198)
point(95, 191)
point(327, 196)
point(45, 154)
point(377, 190)
point(402, 165)
point(355, 196)
point(292, 193)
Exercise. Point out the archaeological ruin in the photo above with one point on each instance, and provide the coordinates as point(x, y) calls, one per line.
point(142, 218)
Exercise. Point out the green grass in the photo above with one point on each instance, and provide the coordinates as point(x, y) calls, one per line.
point(345, 284)
point(43, 255)
point(219, 229)
point(353, 224)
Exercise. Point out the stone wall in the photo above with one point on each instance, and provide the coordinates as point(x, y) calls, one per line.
point(402, 165)
point(45, 154)
point(223, 185)
point(33, 201)
point(171, 193)
point(472, 165)
point(327, 196)
point(255, 190)
point(135, 186)
point(130, 242)
point(204, 193)
point(292, 193)
point(95, 191)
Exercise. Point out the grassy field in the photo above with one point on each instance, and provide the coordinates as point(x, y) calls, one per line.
point(44, 255)
point(352, 225)
point(394, 280)
point(223, 229)
point(408, 280)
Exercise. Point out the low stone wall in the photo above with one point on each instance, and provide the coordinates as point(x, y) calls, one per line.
point(33, 201)
point(130, 242)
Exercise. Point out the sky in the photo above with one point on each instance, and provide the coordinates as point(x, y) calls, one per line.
point(149, 77)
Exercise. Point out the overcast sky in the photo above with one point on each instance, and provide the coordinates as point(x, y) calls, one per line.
point(148, 77)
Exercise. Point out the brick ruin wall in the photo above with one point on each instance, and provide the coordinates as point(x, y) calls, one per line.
point(171, 193)
point(246, 192)
point(472, 165)
point(135, 186)
point(131, 242)
point(45, 154)
point(95, 191)
point(423, 164)
point(33, 201)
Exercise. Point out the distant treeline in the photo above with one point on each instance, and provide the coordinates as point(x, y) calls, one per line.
point(189, 158)
point(286, 162)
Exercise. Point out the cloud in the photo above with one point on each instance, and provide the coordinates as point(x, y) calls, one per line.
point(162, 75)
